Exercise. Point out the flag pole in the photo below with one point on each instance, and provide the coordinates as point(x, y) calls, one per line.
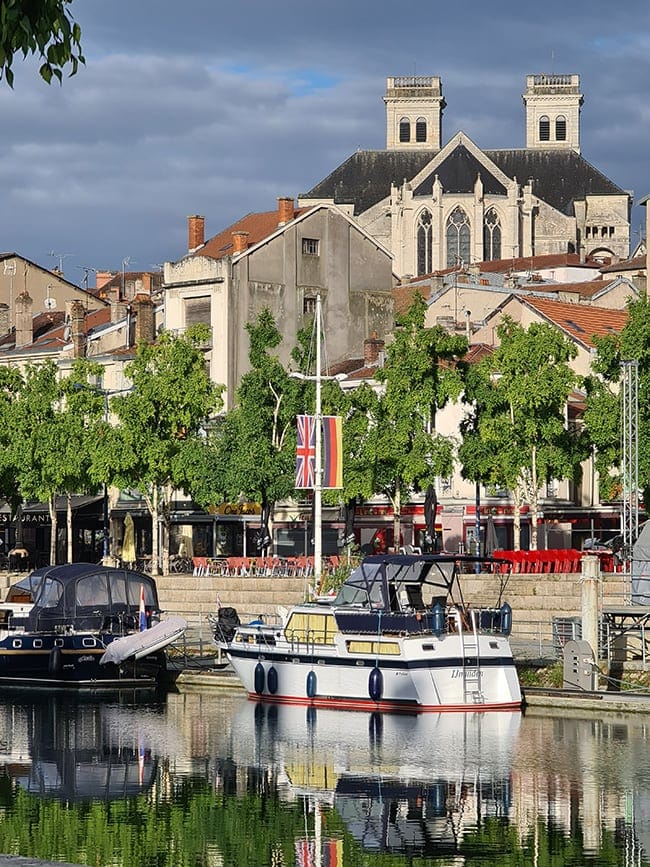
point(318, 463)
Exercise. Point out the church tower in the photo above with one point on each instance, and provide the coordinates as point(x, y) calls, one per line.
point(414, 105)
point(553, 112)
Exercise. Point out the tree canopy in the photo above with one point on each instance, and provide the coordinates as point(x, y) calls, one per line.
point(43, 28)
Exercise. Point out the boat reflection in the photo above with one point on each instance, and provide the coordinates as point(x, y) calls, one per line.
point(74, 750)
point(401, 784)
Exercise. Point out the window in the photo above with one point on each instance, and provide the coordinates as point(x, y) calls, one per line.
point(560, 128)
point(310, 246)
point(308, 306)
point(491, 236)
point(421, 129)
point(405, 129)
point(458, 238)
point(544, 128)
point(424, 243)
point(197, 310)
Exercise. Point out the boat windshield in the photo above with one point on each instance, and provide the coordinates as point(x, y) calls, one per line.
point(363, 587)
point(50, 593)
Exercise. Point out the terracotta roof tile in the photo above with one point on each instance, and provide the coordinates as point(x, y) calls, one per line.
point(580, 321)
point(258, 226)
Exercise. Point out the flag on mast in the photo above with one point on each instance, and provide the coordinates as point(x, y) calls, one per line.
point(305, 451)
point(332, 451)
point(143, 612)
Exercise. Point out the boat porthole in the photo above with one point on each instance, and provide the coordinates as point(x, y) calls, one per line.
point(58, 642)
point(259, 678)
point(311, 684)
point(38, 643)
point(375, 684)
point(16, 643)
point(88, 642)
point(272, 680)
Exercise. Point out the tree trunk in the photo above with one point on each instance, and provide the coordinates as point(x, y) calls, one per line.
point(165, 511)
point(155, 569)
point(53, 534)
point(68, 498)
point(534, 498)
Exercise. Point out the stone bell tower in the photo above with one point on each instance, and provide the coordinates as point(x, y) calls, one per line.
point(414, 105)
point(553, 112)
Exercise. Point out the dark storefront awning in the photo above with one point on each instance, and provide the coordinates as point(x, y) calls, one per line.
point(89, 505)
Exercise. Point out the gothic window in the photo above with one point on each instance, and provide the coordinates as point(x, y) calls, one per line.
point(405, 129)
point(491, 236)
point(544, 128)
point(560, 128)
point(424, 243)
point(458, 238)
point(421, 129)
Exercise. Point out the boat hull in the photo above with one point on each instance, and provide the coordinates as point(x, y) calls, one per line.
point(72, 661)
point(419, 680)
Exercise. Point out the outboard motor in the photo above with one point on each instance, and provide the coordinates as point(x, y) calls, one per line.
point(226, 625)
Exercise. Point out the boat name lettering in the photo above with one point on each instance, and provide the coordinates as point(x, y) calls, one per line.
point(469, 672)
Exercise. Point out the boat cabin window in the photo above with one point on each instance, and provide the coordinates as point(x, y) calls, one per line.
point(385, 648)
point(92, 591)
point(305, 626)
point(50, 593)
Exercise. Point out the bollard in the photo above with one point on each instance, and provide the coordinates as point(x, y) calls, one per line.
point(590, 579)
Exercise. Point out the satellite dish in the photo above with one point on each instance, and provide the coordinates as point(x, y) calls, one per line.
point(50, 303)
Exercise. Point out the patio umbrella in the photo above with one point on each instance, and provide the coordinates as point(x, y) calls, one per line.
point(128, 543)
point(491, 541)
point(430, 510)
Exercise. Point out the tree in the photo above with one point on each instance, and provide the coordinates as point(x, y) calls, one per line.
point(420, 376)
point(515, 435)
point(603, 412)
point(256, 440)
point(43, 28)
point(171, 397)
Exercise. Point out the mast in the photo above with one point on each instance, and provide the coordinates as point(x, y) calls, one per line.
point(318, 462)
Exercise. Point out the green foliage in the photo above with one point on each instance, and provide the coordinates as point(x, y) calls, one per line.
point(603, 413)
point(516, 434)
point(43, 28)
point(420, 376)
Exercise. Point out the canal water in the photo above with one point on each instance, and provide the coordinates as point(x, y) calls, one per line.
point(213, 779)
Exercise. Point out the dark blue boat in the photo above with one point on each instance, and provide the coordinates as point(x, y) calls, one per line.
point(79, 611)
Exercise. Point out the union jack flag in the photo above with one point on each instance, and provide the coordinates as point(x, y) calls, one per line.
point(306, 451)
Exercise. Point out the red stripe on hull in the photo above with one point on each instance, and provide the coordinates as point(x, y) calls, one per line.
point(392, 706)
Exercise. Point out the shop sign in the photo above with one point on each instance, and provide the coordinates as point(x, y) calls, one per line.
point(35, 518)
point(239, 509)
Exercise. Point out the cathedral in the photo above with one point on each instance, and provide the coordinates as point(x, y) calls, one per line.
point(437, 207)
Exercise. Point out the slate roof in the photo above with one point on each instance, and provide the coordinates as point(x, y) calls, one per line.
point(559, 177)
point(580, 321)
point(458, 173)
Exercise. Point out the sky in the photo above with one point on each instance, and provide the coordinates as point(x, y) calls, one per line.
point(215, 108)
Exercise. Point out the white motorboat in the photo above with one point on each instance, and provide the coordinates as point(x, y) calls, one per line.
point(397, 637)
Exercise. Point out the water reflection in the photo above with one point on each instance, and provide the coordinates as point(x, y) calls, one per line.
point(217, 780)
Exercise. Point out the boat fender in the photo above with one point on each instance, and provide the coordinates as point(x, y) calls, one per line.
point(272, 680)
point(311, 684)
point(259, 678)
point(55, 661)
point(438, 619)
point(506, 619)
point(375, 684)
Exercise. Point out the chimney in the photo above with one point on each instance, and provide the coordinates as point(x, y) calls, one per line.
point(5, 324)
point(372, 347)
point(24, 326)
point(147, 281)
point(102, 278)
point(195, 232)
point(119, 309)
point(285, 210)
point(145, 319)
point(239, 241)
point(78, 329)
